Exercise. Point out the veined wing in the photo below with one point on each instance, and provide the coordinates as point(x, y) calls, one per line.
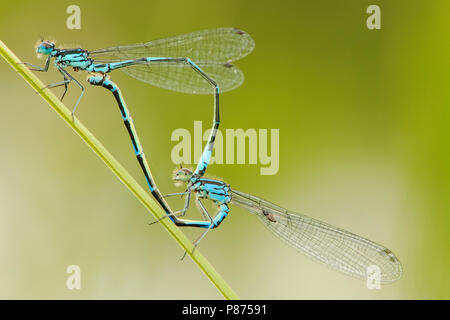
point(213, 45)
point(180, 76)
point(212, 50)
point(337, 248)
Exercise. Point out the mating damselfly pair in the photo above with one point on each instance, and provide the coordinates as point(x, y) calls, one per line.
point(200, 63)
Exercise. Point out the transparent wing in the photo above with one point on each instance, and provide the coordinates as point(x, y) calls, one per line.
point(212, 50)
point(337, 248)
point(179, 76)
point(214, 45)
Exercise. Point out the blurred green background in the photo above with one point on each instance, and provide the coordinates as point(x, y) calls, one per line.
point(364, 139)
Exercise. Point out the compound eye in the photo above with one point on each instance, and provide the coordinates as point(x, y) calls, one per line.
point(47, 44)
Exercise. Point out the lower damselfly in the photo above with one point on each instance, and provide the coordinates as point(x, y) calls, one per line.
point(337, 248)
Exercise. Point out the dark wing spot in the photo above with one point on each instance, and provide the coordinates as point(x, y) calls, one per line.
point(228, 65)
point(390, 254)
point(238, 31)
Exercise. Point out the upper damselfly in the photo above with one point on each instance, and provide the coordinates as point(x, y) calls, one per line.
point(166, 63)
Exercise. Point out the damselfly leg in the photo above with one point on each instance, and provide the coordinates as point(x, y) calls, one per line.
point(175, 194)
point(38, 68)
point(67, 78)
point(211, 225)
point(178, 213)
point(78, 83)
point(206, 215)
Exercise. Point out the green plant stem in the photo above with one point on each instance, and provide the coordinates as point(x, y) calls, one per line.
point(119, 171)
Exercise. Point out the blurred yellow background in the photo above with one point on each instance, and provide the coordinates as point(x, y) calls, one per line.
point(364, 139)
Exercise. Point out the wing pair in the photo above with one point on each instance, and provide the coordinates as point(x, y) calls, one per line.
point(337, 248)
point(212, 50)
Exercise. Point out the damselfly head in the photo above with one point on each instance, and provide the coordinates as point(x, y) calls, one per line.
point(45, 47)
point(182, 175)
